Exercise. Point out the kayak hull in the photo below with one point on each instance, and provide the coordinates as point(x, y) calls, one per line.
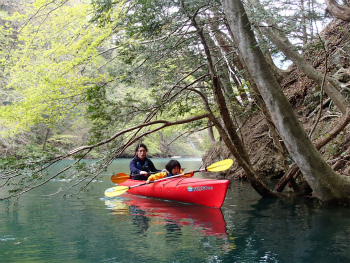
point(207, 192)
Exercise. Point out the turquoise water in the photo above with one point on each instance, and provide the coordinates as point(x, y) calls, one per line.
point(90, 228)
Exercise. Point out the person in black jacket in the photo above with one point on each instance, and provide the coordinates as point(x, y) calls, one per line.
point(140, 165)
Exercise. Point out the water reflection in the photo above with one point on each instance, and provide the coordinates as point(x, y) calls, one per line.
point(139, 218)
point(131, 228)
point(288, 230)
point(173, 216)
point(299, 229)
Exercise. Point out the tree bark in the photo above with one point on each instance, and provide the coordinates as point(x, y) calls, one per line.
point(327, 185)
point(342, 123)
point(303, 19)
point(339, 11)
point(229, 47)
point(272, 128)
point(331, 86)
point(211, 133)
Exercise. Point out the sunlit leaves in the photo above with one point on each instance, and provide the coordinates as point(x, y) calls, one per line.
point(53, 63)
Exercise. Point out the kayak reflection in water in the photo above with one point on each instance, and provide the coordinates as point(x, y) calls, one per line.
point(174, 217)
point(172, 168)
point(140, 164)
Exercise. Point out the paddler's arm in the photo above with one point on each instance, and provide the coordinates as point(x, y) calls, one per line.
point(189, 174)
point(133, 168)
point(156, 176)
point(151, 166)
point(164, 174)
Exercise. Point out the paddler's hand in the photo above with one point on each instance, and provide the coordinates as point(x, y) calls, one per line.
point(145, 174)
point(147, 182)
point(189, 174)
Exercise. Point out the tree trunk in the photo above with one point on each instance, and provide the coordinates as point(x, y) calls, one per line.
point(229, 134)
point(331, 86)
point(326, 184)
point(228, 48)
point(211, 133)
point(272, 128)
point(303, 22)
point(342, 123)
point(339, 11)
point(287, 48)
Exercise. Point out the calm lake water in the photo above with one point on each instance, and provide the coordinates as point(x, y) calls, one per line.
point(90, 228)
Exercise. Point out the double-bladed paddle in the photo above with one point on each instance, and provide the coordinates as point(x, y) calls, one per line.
point(215, 167)
point(122, 177)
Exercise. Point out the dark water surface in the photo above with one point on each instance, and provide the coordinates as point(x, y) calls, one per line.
point(90, 228)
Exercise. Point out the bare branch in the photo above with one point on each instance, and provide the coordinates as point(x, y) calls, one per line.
point(160, 124)
point(192, 131)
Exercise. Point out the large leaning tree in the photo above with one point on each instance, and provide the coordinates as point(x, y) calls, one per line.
point(326, 184)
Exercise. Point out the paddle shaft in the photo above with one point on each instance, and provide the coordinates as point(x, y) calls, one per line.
point(121, 177)
point(133, 175)
point(166, 178)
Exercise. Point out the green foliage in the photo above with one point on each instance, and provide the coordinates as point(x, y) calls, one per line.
point(62, 139)
point(125, 61)
point(100, 111)
point(51, 65)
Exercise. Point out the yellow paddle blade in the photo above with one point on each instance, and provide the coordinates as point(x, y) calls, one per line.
point(115, 191)
point(220, 166)
point(119, 178)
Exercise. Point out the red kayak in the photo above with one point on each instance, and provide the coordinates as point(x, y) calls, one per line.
point(207, 192)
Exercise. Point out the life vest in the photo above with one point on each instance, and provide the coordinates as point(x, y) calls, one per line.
point(164, 174)
point(143, 167)
point(169, 173)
